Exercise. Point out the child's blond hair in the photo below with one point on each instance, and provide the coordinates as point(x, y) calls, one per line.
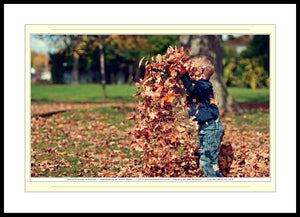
point(205, 65)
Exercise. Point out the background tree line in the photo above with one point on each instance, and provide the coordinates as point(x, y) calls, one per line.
point(250, 68)
point(107, 57)
point(81, 54)
point(121, 53)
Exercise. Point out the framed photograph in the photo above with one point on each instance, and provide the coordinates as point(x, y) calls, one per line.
point(77, 143)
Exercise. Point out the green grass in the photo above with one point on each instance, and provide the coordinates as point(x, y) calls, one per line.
point(75, 155)
point(63, 140)
point(82, 93)
point(249, 95)
point(258, 121)
point(120, 93)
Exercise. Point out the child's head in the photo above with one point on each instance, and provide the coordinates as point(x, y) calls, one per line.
point(206, 67)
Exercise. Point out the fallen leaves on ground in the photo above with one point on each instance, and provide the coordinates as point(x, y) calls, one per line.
point(244, 153)
point(92, 143)
point(82, 143)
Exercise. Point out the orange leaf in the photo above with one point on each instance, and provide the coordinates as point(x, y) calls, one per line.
point(171, 164)
point(181, 51)
point(145, 78)
point(169, 98)
point(173, 139)
point(261, 165)
point(59, 126)
point(252, 173)
point(158, 91)
point(173, 73)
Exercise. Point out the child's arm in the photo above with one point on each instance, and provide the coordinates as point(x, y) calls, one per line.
point(202, 90)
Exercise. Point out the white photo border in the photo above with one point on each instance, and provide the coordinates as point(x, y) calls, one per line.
point(152, 184)
point(16, 199)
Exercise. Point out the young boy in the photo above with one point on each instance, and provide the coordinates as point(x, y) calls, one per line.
point(200, 97)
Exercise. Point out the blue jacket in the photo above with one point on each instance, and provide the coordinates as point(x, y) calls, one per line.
point(199, 95)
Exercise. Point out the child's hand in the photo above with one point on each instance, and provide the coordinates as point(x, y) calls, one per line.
point(182, 70)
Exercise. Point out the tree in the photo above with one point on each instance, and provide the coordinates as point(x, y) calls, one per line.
point(127, 49)
point(211, 46)
point(102, 64)
point(40, 61)
point(259, 47)
point(60, 63)
point(158, 44)
point(250, 68)
point(33, 54)
point(67, 44)
point(75, 71)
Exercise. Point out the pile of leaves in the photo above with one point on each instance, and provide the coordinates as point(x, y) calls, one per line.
point(244, 153)
point(162, 132)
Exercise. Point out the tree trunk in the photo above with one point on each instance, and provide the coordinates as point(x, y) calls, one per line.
point(102, 68)
point(75, 71)
point(137, 73)
point(130, 72)
point(211, 46)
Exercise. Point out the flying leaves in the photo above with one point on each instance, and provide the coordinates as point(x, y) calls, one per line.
point(165, 136)
point(162, 129)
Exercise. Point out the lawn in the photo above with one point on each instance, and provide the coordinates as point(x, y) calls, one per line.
point(84, 142)
point(120, 93)
point(94, 142)
point(81, 93)
point(249, 95)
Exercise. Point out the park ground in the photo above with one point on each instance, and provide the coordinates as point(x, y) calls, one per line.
point(76, 133)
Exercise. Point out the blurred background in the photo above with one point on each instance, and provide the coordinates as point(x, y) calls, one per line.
point(100, 68)
point(75, 59)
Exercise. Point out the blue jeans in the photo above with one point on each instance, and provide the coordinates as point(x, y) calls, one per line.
point(209, 141)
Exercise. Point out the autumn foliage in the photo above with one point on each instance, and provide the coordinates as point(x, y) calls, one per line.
point(161, 130)
point(78, 140)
